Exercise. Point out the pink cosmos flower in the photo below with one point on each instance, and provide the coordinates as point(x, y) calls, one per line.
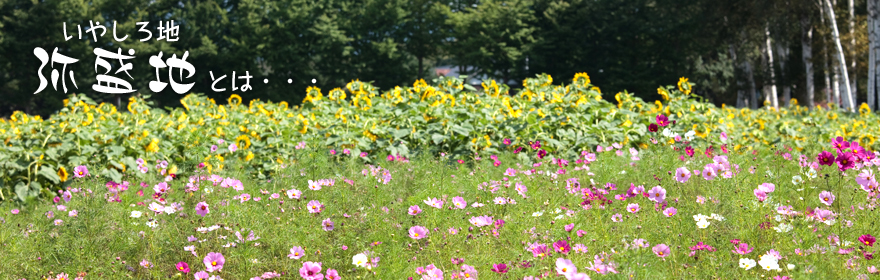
point(867, 239)
point(565, 267)
point(327, 224)
point(657, 194)
point(331, 274)
point(297, 252)
point(742, 249)
point(682, 175)
point(766, 187)
point(202, 275)
point(539, 250)
point(670, 211)
point(561, 246)
point(760, 195)
point(569, 227)
point(214, 261)
point(708, 172)
point(459, 202)
point(661, 250)
point(481, 221)
point(14, 211)
point(414, 210)
point(311, 271)
point(633, 207)
point(417, 232)
point(845, 161)
point(499, 268)
point(202, 209)
point(314, 206)
point(826, 198)
point(81, 171)
point(434, 202)
point(183, 267)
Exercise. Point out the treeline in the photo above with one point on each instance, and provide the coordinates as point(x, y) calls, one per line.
point(740, 52)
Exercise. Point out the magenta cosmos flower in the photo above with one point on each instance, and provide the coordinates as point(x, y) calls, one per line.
point(826, 158)
point(414, 210)
point(311, 271)
point(662, 120)
point(826, 197)
point(561, 246)
point(202, 209)
point(652, 127)
point(682, 175)
point(499, 268)
point(183, 267)
point(214, 261)
point(867, 239)
point(845, 161)
point(417, 232)
point(661, 250)
point(314, 206)
point(839, 143)
point(81, 171)
point(540, 250)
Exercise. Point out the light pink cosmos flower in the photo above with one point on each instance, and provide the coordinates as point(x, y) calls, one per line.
point(327, 224)
point(766, 187)
point(565, 267)
point(202, 275)
point(709, 173)
point(314, 206)
point(417, 232)
point(760, 195)
point(81, 171)
point(213, 261)
point(633, 207)
point(826, 197)
point(682, 175)
point(459, 202)
point(297, 252)
point(414, 210)
point(233, 148)
point(434, 202)
point(293, 194)
point(657, 194)
point(670, 211)
point(661, 250)
point(481, 221)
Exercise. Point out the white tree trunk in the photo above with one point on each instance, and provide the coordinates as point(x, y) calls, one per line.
point(873, 62)
point(852, 54)
point(843, 67)
point(837, 96)
point(806, 24)
point(783, 53)
point(771, 65)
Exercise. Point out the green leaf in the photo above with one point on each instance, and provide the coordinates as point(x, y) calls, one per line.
point(49, 174)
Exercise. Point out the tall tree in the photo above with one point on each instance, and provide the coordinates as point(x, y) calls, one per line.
point(842, 65)
point(873, 62)
point(805, 22)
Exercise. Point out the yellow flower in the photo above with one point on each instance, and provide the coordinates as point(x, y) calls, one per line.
point(153, 146)
point(250, 156)
point(234, 97)
point(581, 79)
point(684, 85)
point(627, 123)
point(243, 138)
point(62, 173)
point(664, 94)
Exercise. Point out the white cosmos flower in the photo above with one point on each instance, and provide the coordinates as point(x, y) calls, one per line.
point(747, 264)
point(136, 214)
point(702, 223)
point(359, 260)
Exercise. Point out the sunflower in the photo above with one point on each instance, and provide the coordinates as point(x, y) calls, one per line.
point(243, 138)
point(581, 79)
point(250, 156)
point(234, 97)
point(684, 85)
point(664, 94)
point(153, 146)
point(62, 173)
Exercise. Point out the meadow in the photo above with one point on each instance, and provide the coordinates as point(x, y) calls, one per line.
point(486, 184)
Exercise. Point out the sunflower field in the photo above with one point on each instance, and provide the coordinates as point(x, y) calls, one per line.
point(445, 116)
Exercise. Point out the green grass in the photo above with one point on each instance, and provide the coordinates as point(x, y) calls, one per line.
point(103, 240)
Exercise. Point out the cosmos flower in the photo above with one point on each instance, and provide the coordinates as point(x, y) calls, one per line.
point(213, 261)
point(417, 232)
point(183, 267)
point(682, 174)
point(661, 250)
point(202, 209)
